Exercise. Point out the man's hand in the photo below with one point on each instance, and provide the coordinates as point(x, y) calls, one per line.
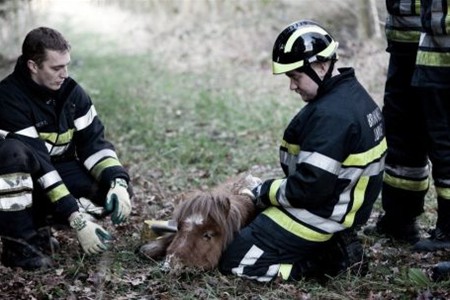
point(92, 237)
point(118, 201)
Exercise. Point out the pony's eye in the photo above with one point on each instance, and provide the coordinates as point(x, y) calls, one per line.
point(208, 235)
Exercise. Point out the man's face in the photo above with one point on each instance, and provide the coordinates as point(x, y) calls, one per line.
point(53, 70)
point(303, 85)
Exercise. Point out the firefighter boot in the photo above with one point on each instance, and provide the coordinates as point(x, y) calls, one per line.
point(401, 230)
point(438, 240)
point(441, 271)
point(24, 255)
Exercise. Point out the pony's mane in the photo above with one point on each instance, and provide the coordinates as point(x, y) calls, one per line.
point(223, 205)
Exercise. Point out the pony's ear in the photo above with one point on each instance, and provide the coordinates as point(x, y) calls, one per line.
point(224, 203)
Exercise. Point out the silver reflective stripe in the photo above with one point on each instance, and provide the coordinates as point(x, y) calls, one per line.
point(305, 216)
point(15, 191)
point(29, 132)
point(15, 182)
point(250, 258)
point(434, 41)
point(86, 120)
point(412, 173)
point(290, 160)
point(49, 179)
point(56, 150)
point(90, 162)
point(320, 161)
point(15, 202)
point(405, 7)
point(3, 133)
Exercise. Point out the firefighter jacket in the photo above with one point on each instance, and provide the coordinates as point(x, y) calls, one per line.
point(332, 154)
point(403, 26)
point(59, 125)
point(433, 57)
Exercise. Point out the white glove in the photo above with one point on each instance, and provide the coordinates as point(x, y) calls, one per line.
point(118, 201)
point(251, 183)
point(92, 237)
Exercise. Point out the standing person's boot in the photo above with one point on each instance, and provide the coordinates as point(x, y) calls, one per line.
point(441, 271)
point(395, 228)
point(438, 240)
point(23, 254)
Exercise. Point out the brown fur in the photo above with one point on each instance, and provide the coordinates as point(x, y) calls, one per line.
point(224, 212)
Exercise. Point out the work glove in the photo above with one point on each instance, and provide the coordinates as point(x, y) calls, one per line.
point(253, 190)
point(118, 201)
point(92, 237)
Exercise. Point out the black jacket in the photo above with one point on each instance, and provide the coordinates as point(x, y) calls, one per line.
point(333, 156)
point(59, 125)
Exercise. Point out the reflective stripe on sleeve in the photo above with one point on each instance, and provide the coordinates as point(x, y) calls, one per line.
point(90, 162)
point(86, 120)
point(49, 179)
point(29, 132)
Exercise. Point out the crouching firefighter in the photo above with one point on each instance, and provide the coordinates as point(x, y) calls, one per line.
point(52, 154)
point(332, 155)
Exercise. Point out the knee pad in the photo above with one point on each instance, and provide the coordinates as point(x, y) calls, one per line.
point(15, 156)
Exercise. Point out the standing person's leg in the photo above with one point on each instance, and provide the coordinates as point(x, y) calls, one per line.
point(436, 106)
point(22, 245)
point(406, 179)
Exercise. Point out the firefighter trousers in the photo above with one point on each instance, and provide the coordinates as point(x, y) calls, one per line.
point(417, 122)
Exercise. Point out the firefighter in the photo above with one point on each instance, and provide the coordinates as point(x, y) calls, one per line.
point(417, 115)
point(52, 152)
point(332, 155)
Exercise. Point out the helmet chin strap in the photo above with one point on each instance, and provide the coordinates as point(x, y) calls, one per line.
point(308, 70)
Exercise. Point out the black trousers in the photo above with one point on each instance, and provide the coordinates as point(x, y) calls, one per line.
point(18, 160)
point(264, 251)
point(417, 122)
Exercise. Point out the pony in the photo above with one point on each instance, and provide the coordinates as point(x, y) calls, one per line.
point(206, 223)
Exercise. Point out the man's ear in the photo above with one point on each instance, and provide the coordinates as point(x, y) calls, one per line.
point(32, 66)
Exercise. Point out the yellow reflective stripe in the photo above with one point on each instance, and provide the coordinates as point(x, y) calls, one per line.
point(57, 138)
point(434, 59)
point(358, 199)
point(291, 148)
point(362, 159)
point(278, 68)
point(284, 271)
point(405, 184)
point(276, 215)
point(273, 191)
point(307, 29)
point(443, 192)
point(403, 36)
point(58, 192)
point(109, 162)
point(328, 51)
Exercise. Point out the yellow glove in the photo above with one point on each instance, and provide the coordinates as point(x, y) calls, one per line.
point(118, 201)
point(92, 237)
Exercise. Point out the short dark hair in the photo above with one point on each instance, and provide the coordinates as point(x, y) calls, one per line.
point(40, 39)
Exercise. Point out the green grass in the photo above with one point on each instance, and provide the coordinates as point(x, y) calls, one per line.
point(179, 122)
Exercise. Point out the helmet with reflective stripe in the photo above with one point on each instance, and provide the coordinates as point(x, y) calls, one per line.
point(300, 44)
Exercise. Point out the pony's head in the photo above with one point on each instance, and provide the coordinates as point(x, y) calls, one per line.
point(207, 222)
